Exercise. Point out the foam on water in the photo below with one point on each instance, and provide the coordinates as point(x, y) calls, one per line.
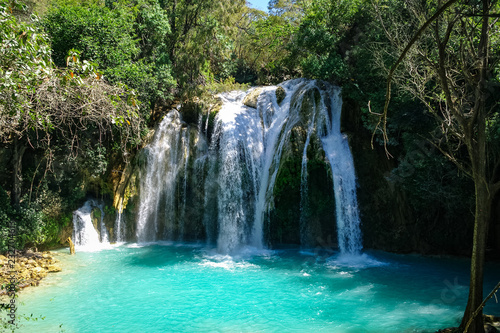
point(357, 261)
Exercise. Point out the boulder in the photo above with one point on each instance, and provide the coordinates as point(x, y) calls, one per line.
point(54, 268)
point(251, 99)
point(280, 94)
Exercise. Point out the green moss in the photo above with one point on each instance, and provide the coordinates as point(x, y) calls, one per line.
point(280, 94)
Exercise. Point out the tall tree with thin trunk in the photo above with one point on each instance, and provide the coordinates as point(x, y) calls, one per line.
point(448, 62)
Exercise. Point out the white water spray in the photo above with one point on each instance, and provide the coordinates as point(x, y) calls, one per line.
point(85, 235)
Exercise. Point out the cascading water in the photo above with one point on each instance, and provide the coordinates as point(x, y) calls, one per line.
point(237, 145)
point(120, 228)
point(85, 235)
point(236, 174)
point(336, 147)
point(166, 157)
point(249, 144)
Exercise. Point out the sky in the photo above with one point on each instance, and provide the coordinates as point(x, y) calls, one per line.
point(259, 4)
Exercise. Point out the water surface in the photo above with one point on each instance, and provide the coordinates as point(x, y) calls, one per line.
point(174, 287)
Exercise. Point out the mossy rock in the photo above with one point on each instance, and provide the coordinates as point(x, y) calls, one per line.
point(280, 94)
point(251, 99)
point(307, 102)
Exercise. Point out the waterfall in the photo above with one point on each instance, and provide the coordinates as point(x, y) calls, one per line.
point(304, 208)
point(233, 177)
point(336, 147)
point(119, 227)
point(85, 235)
point(166, 157)
point(248, 144)
point(237, 143)
point(182, 218)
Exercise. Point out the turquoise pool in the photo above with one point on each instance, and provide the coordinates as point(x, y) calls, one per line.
point(179, 287)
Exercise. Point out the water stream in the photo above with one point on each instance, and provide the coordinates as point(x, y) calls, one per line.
point(165, 158)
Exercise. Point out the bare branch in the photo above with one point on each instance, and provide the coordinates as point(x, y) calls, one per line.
point(481, 306)
point(494, 188)
point(452, 158)
point(414, 39)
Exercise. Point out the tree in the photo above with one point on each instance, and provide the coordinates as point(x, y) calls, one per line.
point(128, 41)
point(197, 38)
point(39, 101)
point(450, 65)
point(320, 43)
point(55, 115)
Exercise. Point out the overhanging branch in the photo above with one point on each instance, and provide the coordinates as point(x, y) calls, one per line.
point(383, 118)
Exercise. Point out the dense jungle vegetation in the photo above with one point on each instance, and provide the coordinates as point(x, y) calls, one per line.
point(83, 82)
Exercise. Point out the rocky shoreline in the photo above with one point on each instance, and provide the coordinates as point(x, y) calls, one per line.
point(30, 267)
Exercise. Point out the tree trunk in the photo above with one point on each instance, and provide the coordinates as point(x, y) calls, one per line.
point(17, 167)
point(475, 136)
point(483, 205)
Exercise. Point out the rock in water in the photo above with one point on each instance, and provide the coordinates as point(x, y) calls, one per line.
point(251, 99)
point(71, 246)
point(280, 94)
point(54, 268)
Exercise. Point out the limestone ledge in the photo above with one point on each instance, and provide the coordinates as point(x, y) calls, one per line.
point(30, 267)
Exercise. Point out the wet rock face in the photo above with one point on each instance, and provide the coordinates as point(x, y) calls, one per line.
point(30, 267)
point(317, 207)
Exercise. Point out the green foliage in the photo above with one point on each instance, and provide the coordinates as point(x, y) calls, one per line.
point(261, 48)
point(35, 95)
point(428, 177)
point(128, 42)
point(50, 111)
point(152, 26)
point(95, 161)
point(102, 35)
point(39, 217)
point(24, 64)
point(322, 42)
